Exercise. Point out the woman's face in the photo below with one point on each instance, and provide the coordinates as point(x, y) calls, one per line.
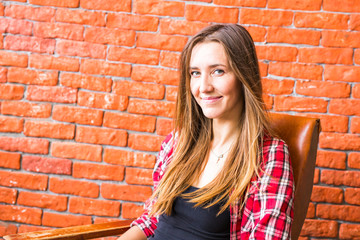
point(213, 84)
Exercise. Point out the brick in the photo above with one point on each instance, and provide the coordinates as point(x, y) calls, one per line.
point(134, 22)
point(257, 33)
point(354, 160)
point(355, 125)
point(339, 141)
point(323, 89)
point(8, 195)
point(273, 86)
point(352, 195)
point(102, 100)
point(268, 100)
point(86, 81)
point(321, 20)
point(336, 177)
point(296, 5)
point(101, 136)
point(327, 194)
point(49, 130)
point(133, 122)
point(131, 210)
point(111, 5)
point(145, 142)
point(241, 3)
point(326, 55)
point(7, 229)
point(276, 53)
point(169, 59)
point(211, 14)
point(171, 93)
point(9, 160)
point(16, 26)
point(137, 89)
point(31, 44)
point(104, 220)
point(41, 200)
point(347, 213)
point(23, 180)
point(98, 171)
point(316, 176)
point(77, 115)
point(182, 27)
point(299, 104)
point(76, 150)
point(110, 36)
point(164, 126)
point(161, 41)
point(56, 63)
point(46, 165)
point(319, 228)
point(13, 59)
point(354, 23)
point(311, 211)
point(331, 159)
point(349, 231)
point(159, 7)
point(56, 3)
point(80, 17)
point(91, 66)
point(127, 158)
point(34, 77)
point(11, 92)
point(356, 91)
point(134, 55)
point(345, 106)
point(43, 14)
point(64, 220)
point(20, 214)
point(155, 75)
point(125, 192)
point(341, 6)
point(293, 36)
point(94, 207)
point(296, 70)
point(28, 228)
point(152, 107)
point(139, 176)
point(51, 94)
point(265, 17)
point(340, 39)
point(263, 69)
point(81, 49)
point(26, 109)
point(74, 187)
point(21, 144)
point(342, 73)
point(3, 74)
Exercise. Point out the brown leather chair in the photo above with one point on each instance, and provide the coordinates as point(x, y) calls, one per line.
point(300, 133)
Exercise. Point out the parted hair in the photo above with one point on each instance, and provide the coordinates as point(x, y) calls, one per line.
point(195, 130)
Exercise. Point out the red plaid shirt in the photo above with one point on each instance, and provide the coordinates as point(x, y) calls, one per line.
point(268, 208)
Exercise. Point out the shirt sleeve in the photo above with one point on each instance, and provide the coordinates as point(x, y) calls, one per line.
point(146, 223)
point(273, 195)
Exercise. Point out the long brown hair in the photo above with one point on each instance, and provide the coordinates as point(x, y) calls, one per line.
point(195, 130)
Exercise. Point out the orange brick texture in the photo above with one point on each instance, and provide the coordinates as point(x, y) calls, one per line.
point(88, 90)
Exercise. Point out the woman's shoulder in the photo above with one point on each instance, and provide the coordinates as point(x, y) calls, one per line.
point(274, 149)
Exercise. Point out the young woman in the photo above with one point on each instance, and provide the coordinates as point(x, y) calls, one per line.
point(221, 174)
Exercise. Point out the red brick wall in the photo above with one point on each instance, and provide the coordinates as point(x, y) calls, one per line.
point(87, 89)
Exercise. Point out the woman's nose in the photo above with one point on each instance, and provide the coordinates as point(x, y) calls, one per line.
point(205, 83)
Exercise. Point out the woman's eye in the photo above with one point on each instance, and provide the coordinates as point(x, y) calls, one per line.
point(218, 72)
point(195, 73)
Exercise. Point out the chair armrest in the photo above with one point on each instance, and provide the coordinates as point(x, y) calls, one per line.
point(77, 232)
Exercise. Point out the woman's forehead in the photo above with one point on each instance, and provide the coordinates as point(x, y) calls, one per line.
point(208, 54)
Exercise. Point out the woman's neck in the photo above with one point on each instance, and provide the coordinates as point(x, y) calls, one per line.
point(224, 135)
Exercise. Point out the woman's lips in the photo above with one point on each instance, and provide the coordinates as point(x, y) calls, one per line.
point(211, 99)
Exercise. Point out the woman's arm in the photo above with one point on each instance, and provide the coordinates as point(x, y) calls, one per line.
point(134, 233)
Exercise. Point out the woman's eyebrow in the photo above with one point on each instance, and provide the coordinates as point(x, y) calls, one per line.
point(210, 66)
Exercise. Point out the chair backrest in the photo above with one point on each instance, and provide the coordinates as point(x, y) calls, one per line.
point(300, 133)
point(302, 136)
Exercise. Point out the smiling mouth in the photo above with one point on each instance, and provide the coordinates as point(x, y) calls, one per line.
point(209, 100)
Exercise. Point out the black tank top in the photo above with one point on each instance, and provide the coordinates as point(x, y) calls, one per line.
point(187, 222)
